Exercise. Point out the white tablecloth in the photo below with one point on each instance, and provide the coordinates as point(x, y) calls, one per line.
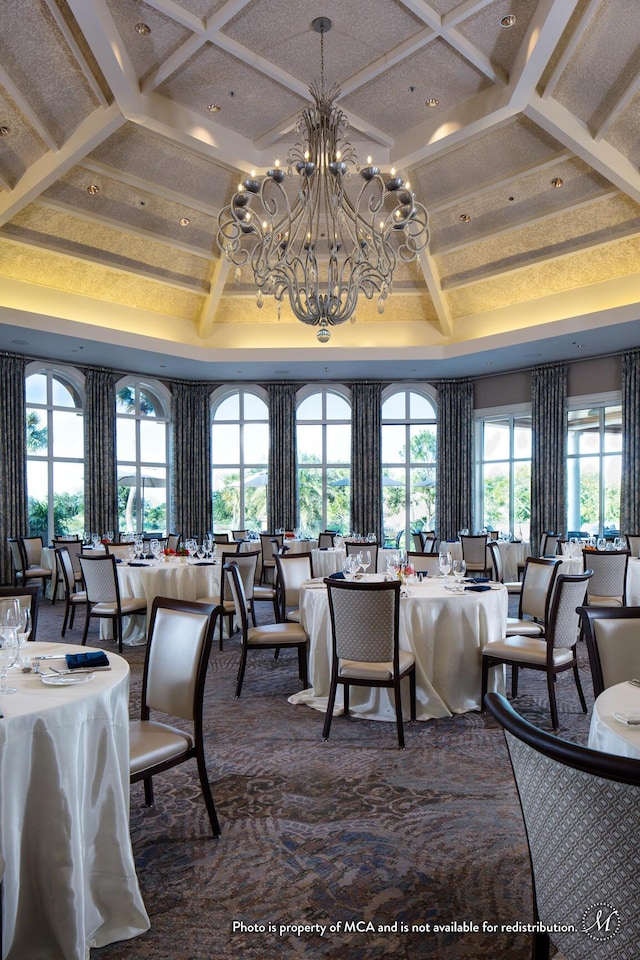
point(512, 553)
point(70, 880)
point(331, 560)
point(610, 735)
point(446, 631)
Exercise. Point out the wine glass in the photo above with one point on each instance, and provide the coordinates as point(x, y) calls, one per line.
point(155, 549)
point(24, 632)
point(365, 559)
point(444, 562)
point(8, 656)
point(601, 543)
point(459, 569)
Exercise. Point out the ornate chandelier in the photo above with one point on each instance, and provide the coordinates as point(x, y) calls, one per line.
point(324, 241)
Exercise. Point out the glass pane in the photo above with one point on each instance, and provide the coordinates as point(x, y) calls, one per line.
point(37, 433)
point(395, 407)
point(338, 443)
point(229, 409)
point(36, 388)
point(153, 441)
point(612, 429)
point(310, 500)
point(420, 408)
point(337, 407)
point(126, 400)
point(589, 486)
point(255, 501)
point(423, 498)
point(225, 443)
point(612, 474)
point(68, 434)
point(522, 500)
point(226, 499)
point(394, 503)
point(584, 431)
point(256, 443)
point(62, 395)
point(423, 444)
point(126, 439)
point(497, 439)
point(338, 500)
point(255, 408)
point(38, 504)
point(149, 406)
point(311, 408)
point(394, 443)
point(522, 438)
point(309, 443)
point(68, 498)
point(496, 496)
point(154, 499)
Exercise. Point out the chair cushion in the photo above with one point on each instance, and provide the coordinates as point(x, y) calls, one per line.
point(513, 586)
point(276, 633)
point(525, 628)
point(604, 601)
point(80, 596)
point(526, 650)
point(38, 572)
point(128, 605)
point(262, 592)
point(152, 743)
point(293, 616)
point(362, 670)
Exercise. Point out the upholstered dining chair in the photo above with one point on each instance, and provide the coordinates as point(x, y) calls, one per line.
point(326, 540)
point(554, 653)
point(270, 543)
point(74, 546)
point(428, 563)
point(580, 812)
point(103, 595)
point(26, 596)
point(474, 552)
point(173, 541)
point(535, 597)
point(27, 560)
point(247, 564)
point(119, 550)
point(221, 538)
point(353, 548)
point(608, 585)
point(292, 570)
point(613, 643)
point(175, 668)
point(73, 597)
point(270, 636)
point(366, 652)
point(633, 543)
point(239, 534)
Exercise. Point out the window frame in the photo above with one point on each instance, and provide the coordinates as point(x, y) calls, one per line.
point(599, 401)
point(512, 413)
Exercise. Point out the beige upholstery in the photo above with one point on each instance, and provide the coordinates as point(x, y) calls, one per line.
point(247, 565)
point(176, 660)
point(270, 544)
point(613, 643)
point(528, 650)
point(474, 552)
point(173, 541)
point(365, 670)
point(535, 598)
point(72, 596)
point(353, 548)
point(293, 569)
point(608, 584)
point(103, 595)
point(119, 550)
point(428, 563)
point(326, 540)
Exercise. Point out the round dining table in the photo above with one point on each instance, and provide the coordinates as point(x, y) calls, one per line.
point(446, 631)
point(70, 881)
point(615, 721)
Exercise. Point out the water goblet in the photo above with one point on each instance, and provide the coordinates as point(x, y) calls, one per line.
point(24, 632)
point(601, 543)
point(155, 549)
point(8, 656)
point(365, 559)
point(444, 562)
point(459, 568)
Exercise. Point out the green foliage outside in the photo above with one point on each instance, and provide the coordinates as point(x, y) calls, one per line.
point(422, 503)
point(226, 505)
point(338, 502)
point(68, 516)
point(496, 500)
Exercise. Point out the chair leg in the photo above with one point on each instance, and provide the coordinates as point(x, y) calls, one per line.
point(118, 626)
point(221, 631)
point(485, 682)
point(241, 669)
point(303, 672)
point(328, 717)
point(208, 796)
point(67, 609)
point(399, 719)
point(72, 616)
point(412, 694)
point(86, 626)
point(514, 681)
point(148, 791)
point(552, 701)
point(576, 674)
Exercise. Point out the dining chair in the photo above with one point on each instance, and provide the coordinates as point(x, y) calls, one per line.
point(292, 569)
point(429, 542)
point(119, 550)
point(221, 538)
point(74, 546)
point(270, 543)
point(103, 595)
point(474, 552)
point(247, 564)
point(496, 570)
point(365, 648)
point(175, 669)
point(354, 548)
point(553, 653)
point(608, 585)
point(26, 596)
point(613, 644)
point(633, 543)
point(549, 547)
point(73, 597)
point(32, 567)
point(326, 540)
point(173, 541)
point(239, 534)
point(269, 636)
point(580, 812)
point(538, 582)
point(416, 536)
point(428, 563)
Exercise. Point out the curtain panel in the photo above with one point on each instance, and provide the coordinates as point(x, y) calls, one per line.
point(366, 458)
point(100, 482)
point(13, 464)
point(191, 496)
point(549, 451)
point(454, 470)
point(282, 507)
point(630, 482)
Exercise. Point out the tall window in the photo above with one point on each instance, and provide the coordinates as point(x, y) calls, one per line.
point(594, 460)
point(409, 435)
point(55, 451)
point(142, 442)
point(323, 424)
point(240, 458)
point(504, 473)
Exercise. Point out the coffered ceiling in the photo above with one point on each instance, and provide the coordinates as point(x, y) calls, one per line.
point(114, 166)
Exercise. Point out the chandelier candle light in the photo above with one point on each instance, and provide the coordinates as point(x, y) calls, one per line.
point(318, 242)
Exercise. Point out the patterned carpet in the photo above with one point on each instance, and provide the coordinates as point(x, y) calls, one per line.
point(349, 848)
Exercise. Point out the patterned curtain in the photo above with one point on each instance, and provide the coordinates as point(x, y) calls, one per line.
point(283, 494)
point(454, 470)
point(630, 486)
point(366, 455)
point(100, 484)
point(13, 461)
point(549, 451)
point(191, 497)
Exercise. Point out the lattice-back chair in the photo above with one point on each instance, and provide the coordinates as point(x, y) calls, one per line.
point(365, 645)
point(247, 564)
point(428, 563)
point(34, 569)
point(549, 547)
point(74, 546)
point(580, 811)
point(613, 642)
point(17, 559)
point(27, 596)
point(554, 653)
point(474, 552)
point(535, 597)
point(608, 585)
point(73, 597)
point(103, 595)
point(326, 540)
point(175, 668)
point(292, 569)
point(269, 636)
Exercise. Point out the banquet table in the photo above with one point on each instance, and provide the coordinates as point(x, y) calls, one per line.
point(70, 881)
point(611, 735)
point(331, 560)
point(445, 630)
point(512, 552)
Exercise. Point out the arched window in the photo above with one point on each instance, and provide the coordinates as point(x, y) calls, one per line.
point(142, 444)
point(323, 425)
point(55, 451)
point(409, 434)
point(239, 458)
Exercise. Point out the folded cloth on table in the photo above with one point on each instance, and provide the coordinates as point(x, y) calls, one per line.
point(135, 563)
point(479, 587)
point(477, 579)
point(337, 576)
point(97, 658)
point(203, 563)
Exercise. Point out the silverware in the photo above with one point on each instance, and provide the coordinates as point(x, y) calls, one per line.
point(65, 673)
point(634, 682)
point(51, 656)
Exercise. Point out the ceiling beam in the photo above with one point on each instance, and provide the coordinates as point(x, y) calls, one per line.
point(432, 279)
point(543, 35)
point(25, 108)
point(218, 281)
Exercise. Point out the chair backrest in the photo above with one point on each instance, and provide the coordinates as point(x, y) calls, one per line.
point(613, 643)
point(563, 622)
point(32, 550)
point(229, 546)
point(221, 538)
point(247, 564)
point(26, 596)
point(416, 536)
point(609, 580)
point(176, 658)
point(74, 545)
point(100, 579)
point(497, 572)
point(364, 620)
point(633, 544)
point(474, 548)
point(270, 543)
point(537, 587)
point(293, 569)
point(549, 544)
point(17, 555)
point(351, 548)
point(424, 562)
point(240, 534)
point(173, 541)
point(326, 540)
point(119, 550)
point(65, 568)
point(232, 576)
point(568, 794)
point(429, 543)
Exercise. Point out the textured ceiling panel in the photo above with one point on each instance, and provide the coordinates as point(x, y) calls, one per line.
point(146, 52)
point(498, 44)
point(624, 134)
point(21, 146)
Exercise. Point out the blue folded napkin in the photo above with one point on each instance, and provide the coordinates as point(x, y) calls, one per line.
point(134, 563)
point(203, 563)
point(477, 579)
point(337, 576)
point(479, 588)
point(95, 658)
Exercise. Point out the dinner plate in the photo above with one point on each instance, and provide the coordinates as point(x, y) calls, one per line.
point(631, 718)
point(65, 679)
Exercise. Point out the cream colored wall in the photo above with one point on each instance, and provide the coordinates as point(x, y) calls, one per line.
point(585, 377)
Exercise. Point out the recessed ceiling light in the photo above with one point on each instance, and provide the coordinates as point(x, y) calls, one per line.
point(509, 20)
point(465, 217)
point(143, 29)
point(214, 108)
point(184, 221)
point(579, 346)
point(93, 189)
point(21, 343)
point(557, 182)
point(5, 131)
point(432, 102)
